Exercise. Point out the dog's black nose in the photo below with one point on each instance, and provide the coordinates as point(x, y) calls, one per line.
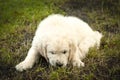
point(59, 64)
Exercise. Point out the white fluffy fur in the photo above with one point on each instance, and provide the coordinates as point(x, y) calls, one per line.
point(61, 40)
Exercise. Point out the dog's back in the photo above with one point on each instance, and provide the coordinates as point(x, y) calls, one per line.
point(63, 25)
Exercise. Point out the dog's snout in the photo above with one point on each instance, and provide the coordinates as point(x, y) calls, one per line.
point(59, 64)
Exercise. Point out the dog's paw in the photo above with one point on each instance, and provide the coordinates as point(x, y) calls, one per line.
point(78, 63)
point(23, 66)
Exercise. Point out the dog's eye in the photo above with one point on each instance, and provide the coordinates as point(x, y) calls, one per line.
point(64, 52)
point(52, 52)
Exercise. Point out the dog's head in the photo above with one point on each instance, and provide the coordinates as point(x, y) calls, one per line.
point(58, 51)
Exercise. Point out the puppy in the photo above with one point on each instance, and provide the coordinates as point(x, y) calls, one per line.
point(61, 40)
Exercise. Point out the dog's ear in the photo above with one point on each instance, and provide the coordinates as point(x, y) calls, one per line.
point(43, 50)
point(72, 51)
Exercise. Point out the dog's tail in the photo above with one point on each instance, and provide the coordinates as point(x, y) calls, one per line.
point(98, 37)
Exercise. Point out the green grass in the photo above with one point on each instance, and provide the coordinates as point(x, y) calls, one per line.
point(19, 20)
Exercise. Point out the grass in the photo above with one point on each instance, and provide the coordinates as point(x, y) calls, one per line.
point(19, 20)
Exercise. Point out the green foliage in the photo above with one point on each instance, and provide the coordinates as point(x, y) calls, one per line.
point(19, 20)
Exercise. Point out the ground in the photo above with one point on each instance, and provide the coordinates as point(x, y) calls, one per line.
point(19, 20)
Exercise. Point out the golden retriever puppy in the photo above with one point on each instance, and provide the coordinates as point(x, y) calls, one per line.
point(61, 40)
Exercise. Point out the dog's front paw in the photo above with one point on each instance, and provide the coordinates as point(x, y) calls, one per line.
point(23, 66)
point(78, 63)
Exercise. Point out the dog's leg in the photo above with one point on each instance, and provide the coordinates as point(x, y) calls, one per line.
point(76, 61)
point(29, 60)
